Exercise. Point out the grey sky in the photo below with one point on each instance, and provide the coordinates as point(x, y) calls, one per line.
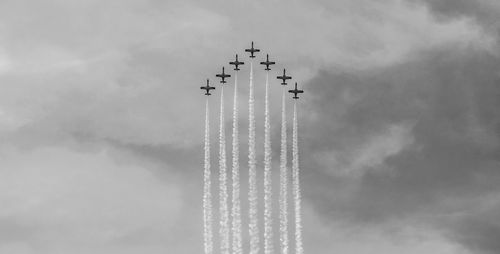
point(101, 121)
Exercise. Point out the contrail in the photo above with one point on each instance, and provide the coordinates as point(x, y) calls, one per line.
point(268, 215)
point(223, 195)
point(252, 174)
point(283, 180)
point(299, 249)
point(207, 195)
point(236, 208)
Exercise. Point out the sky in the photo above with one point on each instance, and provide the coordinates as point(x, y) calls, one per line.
point(101, 121)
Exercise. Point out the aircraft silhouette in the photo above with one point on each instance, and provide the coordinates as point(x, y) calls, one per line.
point(207, 88)
point(295, 91)
point(223, 76)
point(284, 77)
point(267, 63)
point(236, 63)
point(252, 50)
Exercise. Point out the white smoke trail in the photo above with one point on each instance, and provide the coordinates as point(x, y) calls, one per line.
point(207, 195)
point(236, 208)
point(252, 174)
point(299, 249)
point(223, 195)
point(283, 180)
point(268, 216)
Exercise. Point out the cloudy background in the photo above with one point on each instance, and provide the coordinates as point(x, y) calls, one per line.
point(101, 121)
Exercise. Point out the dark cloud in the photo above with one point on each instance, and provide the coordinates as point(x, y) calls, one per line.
point(450, 98)
point(479, 231)
point(485, 12)
point(411, 134)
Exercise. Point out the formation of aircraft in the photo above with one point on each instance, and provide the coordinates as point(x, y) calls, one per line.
point(295, 91)
point(267, 63)
point(252, 50)
point(207, 88)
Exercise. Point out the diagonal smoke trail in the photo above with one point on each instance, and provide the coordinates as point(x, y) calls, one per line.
point(299, 249)
point(223, 195)
point(283, 181)
point(207, 195)
point(236, 208)
point(268, 216)
point(252, 174)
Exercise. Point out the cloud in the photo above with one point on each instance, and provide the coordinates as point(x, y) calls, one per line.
point(323, 233)
point(371, 154)
point(55, 196)
point(449, 95)
point(103, 79)
point(485, 12)
point(399, 126)
point(119, 71)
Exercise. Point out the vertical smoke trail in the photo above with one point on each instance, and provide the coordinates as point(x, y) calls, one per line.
point(236, 208)
point(299, 249)
point(268, 217)
point(283, 181)
point(207, 195)
point(252, 174)
point(223, 195)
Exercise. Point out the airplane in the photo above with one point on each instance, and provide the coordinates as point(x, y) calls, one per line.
point(236, 63)
point(207, 88)
point(295, 91)
point(267, 63)
point(284, 77)
point(223, 75)
point(252, 50)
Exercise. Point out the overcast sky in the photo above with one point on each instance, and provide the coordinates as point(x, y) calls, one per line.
point(101, 121)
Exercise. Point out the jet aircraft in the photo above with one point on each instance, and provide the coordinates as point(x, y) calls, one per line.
point(252, 50)
point(284, 78)
point(236, 63)
point(207, 88)
point(295, 91)
point(267, 63)
point(223, 76)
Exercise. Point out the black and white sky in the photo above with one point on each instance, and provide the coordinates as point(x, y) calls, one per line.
point(101, 121)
